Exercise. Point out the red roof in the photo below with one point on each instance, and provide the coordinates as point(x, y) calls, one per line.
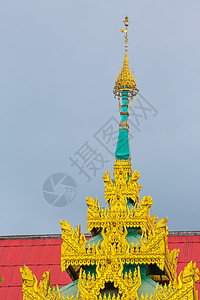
point(189, 245)
point(41, 253)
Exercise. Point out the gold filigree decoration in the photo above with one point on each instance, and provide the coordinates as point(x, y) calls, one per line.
point(138, 216)
point(73, 244)
point(125, 184)
point(151, 250)
point(91, 287)
point(184, 290)
point(114, 222)
point(125, 81)
point(124, 125)
point(33, 291)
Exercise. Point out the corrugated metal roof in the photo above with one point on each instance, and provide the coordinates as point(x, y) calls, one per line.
point(189, 246)
point(41, 253)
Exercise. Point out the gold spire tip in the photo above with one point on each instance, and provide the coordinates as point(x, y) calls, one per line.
point(125, 80)
point(126, 23)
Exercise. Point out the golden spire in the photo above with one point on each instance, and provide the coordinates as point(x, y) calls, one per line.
point(125, 80)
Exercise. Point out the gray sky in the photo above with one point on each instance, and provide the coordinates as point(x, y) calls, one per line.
point(58, 64)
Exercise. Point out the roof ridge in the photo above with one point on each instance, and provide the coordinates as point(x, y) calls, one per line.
point(87, 235)
point(35, 236)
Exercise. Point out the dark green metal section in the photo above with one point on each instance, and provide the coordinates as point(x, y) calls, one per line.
point(122, 149)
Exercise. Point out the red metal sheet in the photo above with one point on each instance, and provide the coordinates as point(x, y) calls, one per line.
point(4, 254)
point(39, 255)
point(189, 247)
point(189, 250)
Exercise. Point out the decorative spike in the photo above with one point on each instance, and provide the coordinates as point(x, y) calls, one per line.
point(58, 293)
point(53, 294)
point(137, 249)
point(93, 248)
point(139, 271)
point(89, 249)
point(89, 276)
point(77, 295)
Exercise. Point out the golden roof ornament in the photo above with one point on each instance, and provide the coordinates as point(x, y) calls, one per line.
point(125, 80)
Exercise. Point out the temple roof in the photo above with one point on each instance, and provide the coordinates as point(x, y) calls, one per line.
point(42, 252)
point(148, 285)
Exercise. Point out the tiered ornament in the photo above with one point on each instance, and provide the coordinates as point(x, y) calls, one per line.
point(125, 80)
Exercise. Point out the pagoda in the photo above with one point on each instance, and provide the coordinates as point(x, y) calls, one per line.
point(127, 256)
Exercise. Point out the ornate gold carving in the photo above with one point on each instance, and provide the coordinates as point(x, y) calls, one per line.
point(137, 216)
point(110, 255)
point(125, 184)
point(114, 221)
point(152, 248)
point(73, 245)
point(33, 291)
point(171, 262)
point(114, 251)
point(90, 286)
point(125, 80)
point(185, 288)
point(124, 125)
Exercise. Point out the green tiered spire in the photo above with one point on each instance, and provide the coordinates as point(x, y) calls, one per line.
point(124, 89)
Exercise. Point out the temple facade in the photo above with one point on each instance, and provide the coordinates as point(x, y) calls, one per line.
point(127, 256)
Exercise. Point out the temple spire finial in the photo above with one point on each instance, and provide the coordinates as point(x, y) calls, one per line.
point(126, 23)
point(125, 80)
point(125, 90)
